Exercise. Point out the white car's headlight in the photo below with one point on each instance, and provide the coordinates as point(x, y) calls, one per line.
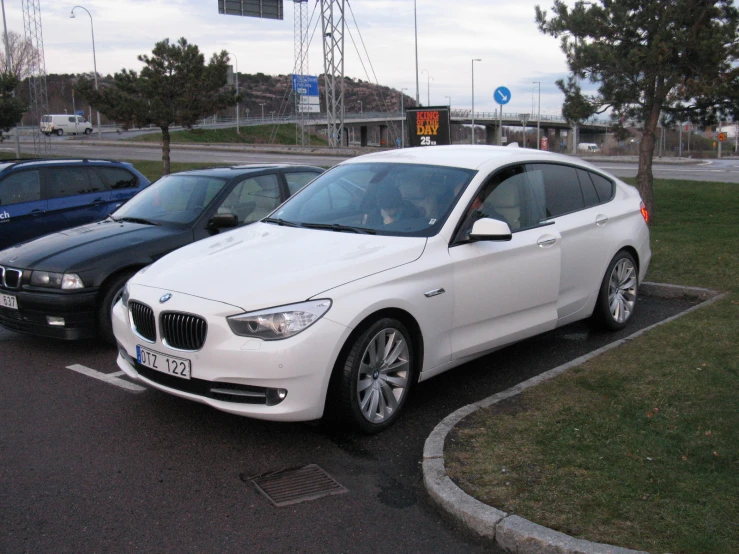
point(125, 295)
point(281, 322)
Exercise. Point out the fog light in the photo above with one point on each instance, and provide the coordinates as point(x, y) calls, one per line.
point(275, 396)
point(56, 321)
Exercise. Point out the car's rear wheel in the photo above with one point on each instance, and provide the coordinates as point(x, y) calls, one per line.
point(618, 293)
point(376, 377)
point(112, 293)
point(59, 132)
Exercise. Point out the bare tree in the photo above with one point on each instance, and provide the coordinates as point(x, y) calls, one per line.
point(21, 52)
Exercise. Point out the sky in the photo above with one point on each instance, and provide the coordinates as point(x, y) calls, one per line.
point(502, 33)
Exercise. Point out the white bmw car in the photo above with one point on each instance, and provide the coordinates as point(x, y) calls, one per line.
point(386, 270)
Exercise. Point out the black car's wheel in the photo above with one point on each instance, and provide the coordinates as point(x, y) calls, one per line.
point(618, 293)
point(376, 377)
point(59, 132)
point(88, 131)
point(111, 295)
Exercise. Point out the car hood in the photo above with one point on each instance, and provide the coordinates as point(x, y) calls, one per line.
point(81, 247)
point(266, 265)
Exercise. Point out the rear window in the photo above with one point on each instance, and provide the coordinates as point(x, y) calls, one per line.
point(71, 181)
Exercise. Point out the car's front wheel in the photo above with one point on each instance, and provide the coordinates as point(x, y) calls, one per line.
point(618, 293)
point(112, 293)
point(376, 376)
point(88, 131)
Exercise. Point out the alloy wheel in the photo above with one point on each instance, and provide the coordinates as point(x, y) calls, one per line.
point(622, 290)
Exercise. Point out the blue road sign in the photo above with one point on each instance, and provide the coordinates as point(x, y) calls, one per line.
point(502, 95)
point(306, 85)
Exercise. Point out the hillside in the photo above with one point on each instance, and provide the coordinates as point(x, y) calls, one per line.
point(257, 89)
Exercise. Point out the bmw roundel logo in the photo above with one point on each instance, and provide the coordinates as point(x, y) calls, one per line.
point(164, 298)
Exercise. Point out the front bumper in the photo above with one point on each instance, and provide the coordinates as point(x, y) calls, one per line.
point(77, 309)
point(234, 374)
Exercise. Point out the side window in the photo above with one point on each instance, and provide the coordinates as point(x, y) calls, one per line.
point(297, 180)
point(71, 119)
point(252, 199)
point(603, 187)
point(588, 189)
point(562, 193)
point(70, 181)
point(117, 178)
point(506, 197)
point(80, 119)
point(24, 186)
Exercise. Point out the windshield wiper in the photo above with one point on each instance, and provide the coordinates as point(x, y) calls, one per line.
point(139, 220)
point(279, 221)
point(340, 228)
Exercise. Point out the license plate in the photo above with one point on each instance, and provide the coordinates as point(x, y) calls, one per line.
point(8, 301)
point(171, 365)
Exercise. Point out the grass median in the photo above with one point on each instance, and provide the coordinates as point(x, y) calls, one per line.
point(278, 134)
point(638, 447)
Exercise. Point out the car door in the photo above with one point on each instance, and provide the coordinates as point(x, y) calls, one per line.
point(76, 195)
point(581, 227)
point(22, 210)
point(504, 290)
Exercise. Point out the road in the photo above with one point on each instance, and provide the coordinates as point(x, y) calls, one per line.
point(724, 170)
point(87, 466)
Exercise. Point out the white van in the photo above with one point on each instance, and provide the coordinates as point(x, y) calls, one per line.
point(65, 123)
point(588, 147)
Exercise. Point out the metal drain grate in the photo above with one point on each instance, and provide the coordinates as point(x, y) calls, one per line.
point(291, 486)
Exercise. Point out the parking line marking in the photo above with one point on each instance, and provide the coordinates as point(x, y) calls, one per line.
point(111, 378)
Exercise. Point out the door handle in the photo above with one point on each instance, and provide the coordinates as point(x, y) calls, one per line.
point(546, 241)
point(601, 220)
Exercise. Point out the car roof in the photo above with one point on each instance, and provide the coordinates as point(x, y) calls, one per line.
point(237, 170)
point(464, 156)
point(8, 164)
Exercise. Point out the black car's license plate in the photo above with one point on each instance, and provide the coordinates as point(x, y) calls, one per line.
point(8, 301)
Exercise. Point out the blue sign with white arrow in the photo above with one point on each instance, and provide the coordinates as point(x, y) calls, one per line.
point(502, 95)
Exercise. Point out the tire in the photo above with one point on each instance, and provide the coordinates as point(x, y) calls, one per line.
point(111, 295)
point(373, 389)
point(618, 293)
point(88, 131)
point(59, 132)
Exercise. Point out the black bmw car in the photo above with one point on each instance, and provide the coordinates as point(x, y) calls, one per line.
point(63, 285)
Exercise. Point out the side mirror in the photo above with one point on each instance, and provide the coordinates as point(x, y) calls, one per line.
point(223, 221)
point(490, 229)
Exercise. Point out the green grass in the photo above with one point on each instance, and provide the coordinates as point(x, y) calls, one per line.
point(640, 446)
point(253, 134)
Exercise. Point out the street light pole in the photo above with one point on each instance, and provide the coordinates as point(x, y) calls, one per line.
point(236, 73)
point(473, 97)
point(262, 111)
point(94, 60)
point(415, 26)
point(402, 120)
point(361, 107)
point(429, 78)
point(450, 101)
point(538, 118)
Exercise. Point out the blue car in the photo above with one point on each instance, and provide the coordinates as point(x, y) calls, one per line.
point(38, 197)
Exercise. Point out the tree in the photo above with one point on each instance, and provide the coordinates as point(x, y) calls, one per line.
point(175, 87)
point(11, 110)
point(22, 53)
point(647, 57)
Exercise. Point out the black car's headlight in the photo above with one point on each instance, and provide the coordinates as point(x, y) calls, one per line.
point(281, 322)
point(66, 281)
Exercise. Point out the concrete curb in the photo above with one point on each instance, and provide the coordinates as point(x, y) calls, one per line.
point(508, 531)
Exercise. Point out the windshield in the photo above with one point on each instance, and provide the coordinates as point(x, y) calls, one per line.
point(174, 199)
point(382, 198)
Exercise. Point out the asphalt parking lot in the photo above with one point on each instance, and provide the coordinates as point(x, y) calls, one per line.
point(87, 465)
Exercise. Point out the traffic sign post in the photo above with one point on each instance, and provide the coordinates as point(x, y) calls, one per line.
point(502, 96)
